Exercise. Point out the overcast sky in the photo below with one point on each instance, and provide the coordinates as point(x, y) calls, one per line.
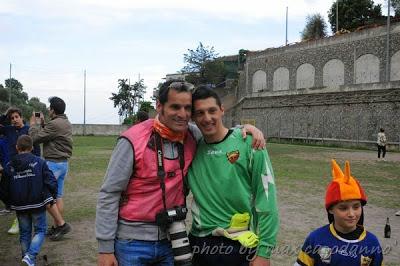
point(50, 42)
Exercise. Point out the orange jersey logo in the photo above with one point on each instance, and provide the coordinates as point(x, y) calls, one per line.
point(233, 156)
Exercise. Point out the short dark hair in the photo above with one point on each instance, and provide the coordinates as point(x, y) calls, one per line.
point(178, 85)
point(142, 116)
point(24, 143)
point(382, 130)
point(203, 92)
point(57, 104)
point(12, 110)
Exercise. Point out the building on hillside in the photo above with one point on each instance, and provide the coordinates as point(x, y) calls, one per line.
point(337, 89)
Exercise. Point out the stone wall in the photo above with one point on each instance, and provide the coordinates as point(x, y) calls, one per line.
point(334, 88)
point(98, 130)
point(352, 58)
point(351, 115)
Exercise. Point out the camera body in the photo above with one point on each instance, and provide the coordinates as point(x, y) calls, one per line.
point(37, 114)
point(166, 217)
point(173, 220)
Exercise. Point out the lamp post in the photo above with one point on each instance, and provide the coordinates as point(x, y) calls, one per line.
point(337, 15)
point(388, 44)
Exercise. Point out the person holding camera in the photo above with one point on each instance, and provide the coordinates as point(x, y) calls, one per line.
point(234, 209)
point(141, 206)
point(56, 136)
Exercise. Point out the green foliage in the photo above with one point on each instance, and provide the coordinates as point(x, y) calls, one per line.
point(146, 106)
point(315, 28)
point(130, 120)
point(195, 59)
point(396, 6)
point(128, 96)
point(354, 14)
point(214, 73)
point(19, 99)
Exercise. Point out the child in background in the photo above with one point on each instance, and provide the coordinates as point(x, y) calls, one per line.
point(343, 242)
point(27, 187)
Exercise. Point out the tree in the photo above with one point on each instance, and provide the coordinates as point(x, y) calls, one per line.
point(396, 6)
point(315, 27)
point(146, 106)
point(19, 99)
point(128, 96)
point(203, 66)
point(353, 14)
point(195, 59)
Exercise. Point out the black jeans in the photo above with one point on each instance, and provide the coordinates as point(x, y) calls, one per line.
point(219, 251)
point(383, 149)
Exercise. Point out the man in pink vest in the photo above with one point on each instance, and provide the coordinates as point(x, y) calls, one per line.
point(145, 178)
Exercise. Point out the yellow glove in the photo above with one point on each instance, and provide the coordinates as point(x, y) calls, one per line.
point(239, 230)
point(248, 239)
point(239, 222)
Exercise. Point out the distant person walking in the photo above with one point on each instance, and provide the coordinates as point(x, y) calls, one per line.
point(56, 136)
point(381, 144)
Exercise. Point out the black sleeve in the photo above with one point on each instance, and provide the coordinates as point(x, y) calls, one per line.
point(4, 189)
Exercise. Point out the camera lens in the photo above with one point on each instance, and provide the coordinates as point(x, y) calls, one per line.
point(180, 243)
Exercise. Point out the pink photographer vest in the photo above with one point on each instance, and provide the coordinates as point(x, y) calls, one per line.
point(142, 199)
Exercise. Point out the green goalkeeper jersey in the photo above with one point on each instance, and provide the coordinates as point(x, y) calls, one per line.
point(231, 177)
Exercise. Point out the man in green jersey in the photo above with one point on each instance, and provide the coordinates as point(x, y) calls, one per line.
point(234, 197)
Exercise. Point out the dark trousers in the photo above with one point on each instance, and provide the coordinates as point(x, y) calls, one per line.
point(218, 251)
point(383, 149)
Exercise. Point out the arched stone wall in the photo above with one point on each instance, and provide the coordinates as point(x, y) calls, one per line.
point(333, 73)
point(305, 76)
point(395, 67)
point(366, 69)
point(259, 81)
point(281, 79)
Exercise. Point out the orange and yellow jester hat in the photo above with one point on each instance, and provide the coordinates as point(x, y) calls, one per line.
point(343, 187)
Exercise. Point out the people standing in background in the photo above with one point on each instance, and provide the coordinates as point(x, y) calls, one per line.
point(381, 142)
point(56, 136)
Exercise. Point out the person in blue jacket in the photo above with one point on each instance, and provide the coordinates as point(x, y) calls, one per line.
point(15, 129)
point(27, 186)
point(11, 127)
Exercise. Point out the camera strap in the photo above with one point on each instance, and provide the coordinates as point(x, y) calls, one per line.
point(160, 165)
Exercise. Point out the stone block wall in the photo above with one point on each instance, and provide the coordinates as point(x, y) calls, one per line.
point(334, 88)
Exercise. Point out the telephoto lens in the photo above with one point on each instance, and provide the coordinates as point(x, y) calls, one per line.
point(180, 243)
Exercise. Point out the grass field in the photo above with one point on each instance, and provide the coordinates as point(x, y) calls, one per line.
point(301, 172)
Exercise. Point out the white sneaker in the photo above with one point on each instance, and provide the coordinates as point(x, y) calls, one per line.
point(397, 213)
point(14, 229)
point(27, 261)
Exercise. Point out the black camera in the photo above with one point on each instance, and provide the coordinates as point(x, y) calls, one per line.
point(173, 220)
point(37, 114)
point(166, 217)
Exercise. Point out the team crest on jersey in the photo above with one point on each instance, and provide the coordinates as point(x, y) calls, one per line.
point(233, 156)
point(325, 254)
point(365, 261)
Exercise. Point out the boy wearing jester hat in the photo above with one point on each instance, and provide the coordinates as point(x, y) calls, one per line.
point(344, 241)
